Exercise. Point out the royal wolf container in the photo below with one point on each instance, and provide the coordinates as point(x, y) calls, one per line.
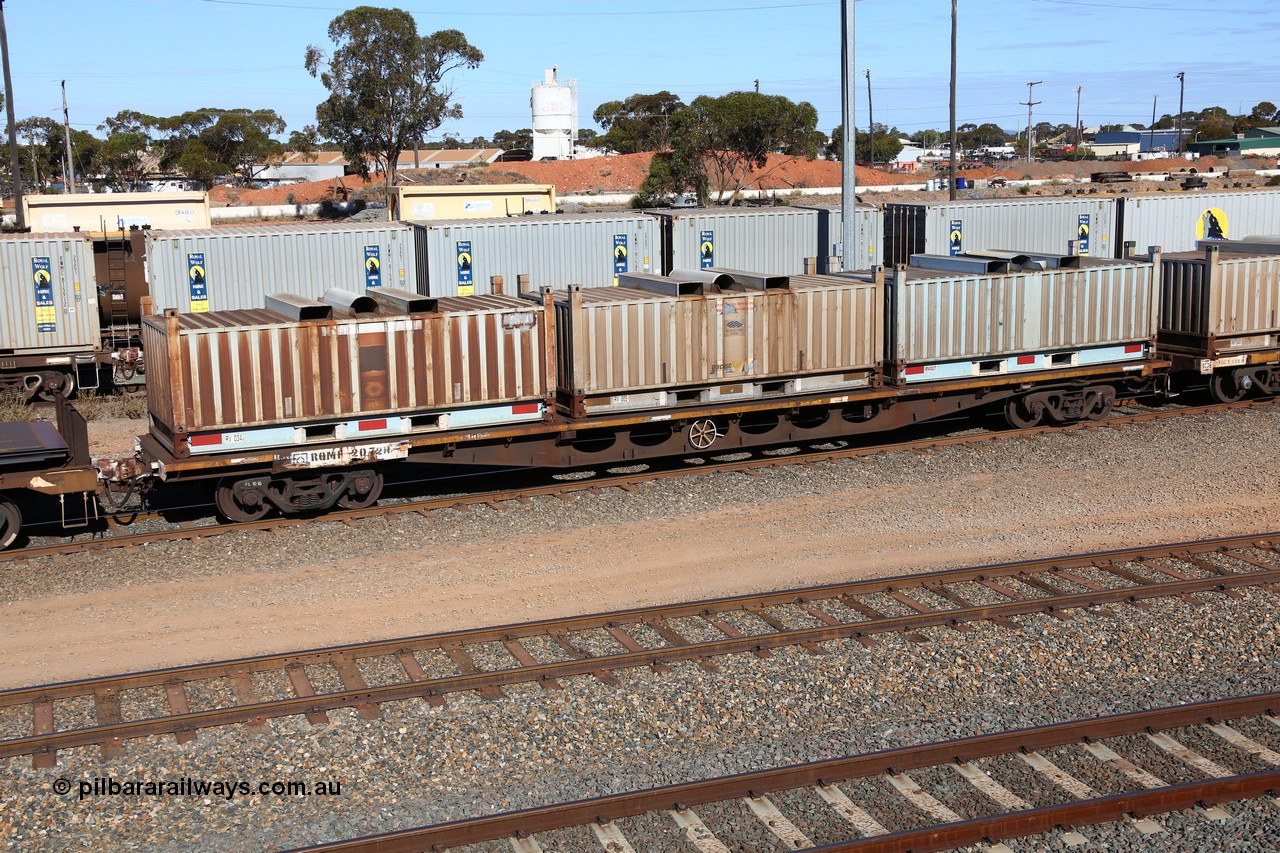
point(255, 378)
point(50, 298)
point(1031, 225)
point(774, 240)
point(115, 212)
point(233, 269)
point(870, 231)
point(461, 256)
point(948, 325)
point(1214, 302)
point(1174, 221)
point(622, 348)
point(471, 201)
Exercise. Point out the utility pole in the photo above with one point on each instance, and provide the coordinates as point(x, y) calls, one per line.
point(1079, 127)
point(35, 167)
point(952, 146)
point(14, 165)
point(1028, 103)
point(1151, 133)
point(757, 85)
point(848, 172)
point(1182, 87)
point(871, 121)
point(66, 124)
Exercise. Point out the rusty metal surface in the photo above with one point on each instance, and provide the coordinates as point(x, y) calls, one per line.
point(251, 368)
point(687, 795)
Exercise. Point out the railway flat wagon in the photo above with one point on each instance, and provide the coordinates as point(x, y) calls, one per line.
point(714, 336)
point(395, 366)
point(964, 318)
point(50, 327)
point(1220, 315)
point(1176, 221)
point(460, 257)
point(235, 268)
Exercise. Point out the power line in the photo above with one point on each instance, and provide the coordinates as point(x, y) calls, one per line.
point(490, 13)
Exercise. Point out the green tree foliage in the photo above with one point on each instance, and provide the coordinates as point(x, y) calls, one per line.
point(640, 123)
point(980, 136)
point(887, 145)
point(305, 142)
point(509, 140)
point(123, 159)
point(386, 84)
point(736, 133)
point(668, 176)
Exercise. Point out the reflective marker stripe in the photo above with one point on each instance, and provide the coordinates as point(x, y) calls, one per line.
point(525, 409)
point(1133, 348)
point(371, 425)
point(205, 440)
point(914, 369)
point(1026, 359)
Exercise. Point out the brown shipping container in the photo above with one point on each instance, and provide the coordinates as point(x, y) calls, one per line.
point(241, 369)
point(619, 341)
point(1231, 297)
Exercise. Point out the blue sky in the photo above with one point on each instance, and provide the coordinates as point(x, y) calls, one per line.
point(164, 57)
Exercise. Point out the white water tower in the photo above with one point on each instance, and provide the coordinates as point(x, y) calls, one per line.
point(555, 117)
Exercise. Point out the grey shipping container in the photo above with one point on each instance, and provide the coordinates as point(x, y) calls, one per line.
point(1213, 303)
point(773, 240)
point(1044, 225)
point(50, 296)
point(1175, 221)
point(233, 269)
point(949, 325)
point(461, 256)
point(870, 230)
point(256, 379)
point(624, 348)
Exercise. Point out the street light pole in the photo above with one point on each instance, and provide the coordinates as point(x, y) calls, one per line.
point(1151, 134)
point(1079, 129)
point(848, 171)
point(13, 126)
point(952, 145)
point(871, 122)
point(1029, 104)
point(1182, 86)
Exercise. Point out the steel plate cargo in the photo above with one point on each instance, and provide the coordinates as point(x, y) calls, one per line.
point(776, 240)
point(870, 230)
point(50, 298)
point(949, 325)
point(1031, 225)
point(254, 378)
point(1216, 302)
point(471, 201)
point(1175, 221)
point(461, 256)
point(624, 347)
point(232, 269)
point(115, 212)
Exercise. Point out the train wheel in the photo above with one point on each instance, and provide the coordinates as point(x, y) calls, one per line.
point(366, 488)
point(10, 523)
point(1020, 417)
point(247, 505)
point(1224, 389)
point(65, 382)
point(1102, 406)
point(703, 433)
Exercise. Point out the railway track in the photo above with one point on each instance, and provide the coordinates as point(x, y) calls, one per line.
point(430, 667)
point(115, 537)
point(792, 805)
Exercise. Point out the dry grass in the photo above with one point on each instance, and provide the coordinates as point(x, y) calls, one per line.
point(94, 407)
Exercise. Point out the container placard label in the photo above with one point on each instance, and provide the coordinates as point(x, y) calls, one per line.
point(1212, 224)
point(707, 250)
point(46, 312)
point(955, 238)
point(1082, 234)
point(197, 282)
point(466, 286)
point(619, 256)
point(372, 266)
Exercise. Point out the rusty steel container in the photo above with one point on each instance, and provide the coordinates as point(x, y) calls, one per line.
point(1216, 302)
point(245, 370)
point(624, 348)
point(948, 319)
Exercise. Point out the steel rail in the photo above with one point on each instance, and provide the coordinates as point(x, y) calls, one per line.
point(624, 481)
point(44, 745)
point(681, 797)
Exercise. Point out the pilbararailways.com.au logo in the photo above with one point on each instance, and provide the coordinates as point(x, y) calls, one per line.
point(225, 789)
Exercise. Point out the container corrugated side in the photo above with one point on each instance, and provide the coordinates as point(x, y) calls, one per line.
point(241, 265)
point(940, 317)
point(1243, 298)
point(776, 241)
point(116, 212)
point(243, 369)
point(870, 231)
point(554, 251)
point(1045, 225)
point(839, 322)
point(50, 295)
point(1175, 221)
